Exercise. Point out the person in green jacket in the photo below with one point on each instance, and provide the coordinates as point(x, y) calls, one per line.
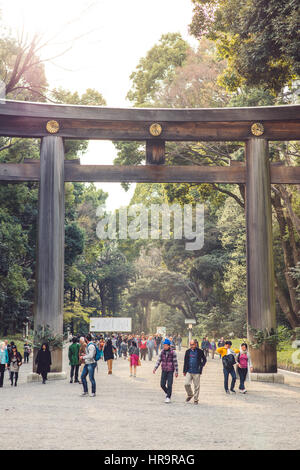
point(74, 359)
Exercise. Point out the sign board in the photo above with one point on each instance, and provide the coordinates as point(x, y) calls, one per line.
point(113, 324)
point(190, 321)
point(161, 330)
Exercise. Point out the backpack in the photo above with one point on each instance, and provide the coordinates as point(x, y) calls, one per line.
point(98, 352)
point(228, 361)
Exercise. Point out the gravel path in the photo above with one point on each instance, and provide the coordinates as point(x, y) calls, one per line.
point(130, 413)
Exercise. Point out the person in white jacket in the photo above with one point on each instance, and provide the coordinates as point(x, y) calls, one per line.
point(89, 367)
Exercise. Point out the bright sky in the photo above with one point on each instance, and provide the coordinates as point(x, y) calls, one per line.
point(104, 41)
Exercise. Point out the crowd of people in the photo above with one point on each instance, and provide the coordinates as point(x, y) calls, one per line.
point(11, 360)
point(85, 351)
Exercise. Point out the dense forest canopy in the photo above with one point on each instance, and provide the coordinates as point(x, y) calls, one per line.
point(239, 61)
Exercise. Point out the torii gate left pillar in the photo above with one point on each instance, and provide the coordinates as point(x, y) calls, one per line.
point(50, 249)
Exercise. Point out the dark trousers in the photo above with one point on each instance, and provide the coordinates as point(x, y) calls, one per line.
point(2, 369)
point(74, 369)
point(26, 357)
point(89, 369)
point(167, 379)
point(226, 376)
point(12, 374)
point(44, 375)
point(243, 374)
point(143, 353)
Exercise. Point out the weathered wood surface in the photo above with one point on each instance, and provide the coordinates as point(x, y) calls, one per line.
point(260, 267)
point(20, 119)
point(48, 308)
point(18, 172)
point(155, 152)
point(66, 111)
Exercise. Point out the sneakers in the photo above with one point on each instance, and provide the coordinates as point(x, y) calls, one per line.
point(243, 391)
point(93, 395)
point(232, 391)
point(84, 394)
point(167, 400)
point(227, 392)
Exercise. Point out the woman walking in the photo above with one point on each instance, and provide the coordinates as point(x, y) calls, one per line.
point(244, 366)
point(143, 348)
point(213, 348)
point(108, 355)
point(4, 359)
point(134, 358)
point(81, 353)
point(15, 362)
point(124, 348)
point(43, 361)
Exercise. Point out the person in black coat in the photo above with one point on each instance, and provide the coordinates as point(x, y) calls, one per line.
point(43, 361)
point(15, 361)
point(108, 355)
point(194, 361)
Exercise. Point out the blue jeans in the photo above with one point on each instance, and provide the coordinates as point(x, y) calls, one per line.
point(226, 377)
point(89, 369)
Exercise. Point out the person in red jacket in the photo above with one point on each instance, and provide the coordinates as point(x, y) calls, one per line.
point(143, 347)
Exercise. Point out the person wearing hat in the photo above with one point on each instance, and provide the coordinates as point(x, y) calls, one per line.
point(169, 365)
point(15, 361)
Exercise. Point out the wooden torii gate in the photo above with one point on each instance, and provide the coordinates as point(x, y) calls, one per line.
point(53, 123)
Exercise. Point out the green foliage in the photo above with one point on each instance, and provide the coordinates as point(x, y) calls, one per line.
point(74, 239)
point(158, 66)
point(259, 39)
point(44, 334)
point(273, 337)
point(77, 317)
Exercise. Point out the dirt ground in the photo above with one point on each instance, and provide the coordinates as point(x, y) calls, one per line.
point(130, 413)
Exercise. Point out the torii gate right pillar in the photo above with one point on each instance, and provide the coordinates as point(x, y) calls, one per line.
point(260, 267)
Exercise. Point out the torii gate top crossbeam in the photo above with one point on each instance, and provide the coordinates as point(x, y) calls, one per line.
point(25, 119)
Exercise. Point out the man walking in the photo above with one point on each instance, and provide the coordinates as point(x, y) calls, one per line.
point(228, 355)
point(89, 367)
point(73, 355)
point(169, 365)
point(150, 347)
point(26, 352)
point(205, 346)
point(194, 361)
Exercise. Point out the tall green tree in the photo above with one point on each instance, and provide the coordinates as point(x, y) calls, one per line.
point(259, 39)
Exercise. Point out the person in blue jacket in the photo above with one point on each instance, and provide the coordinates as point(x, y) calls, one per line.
point(4, 359)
